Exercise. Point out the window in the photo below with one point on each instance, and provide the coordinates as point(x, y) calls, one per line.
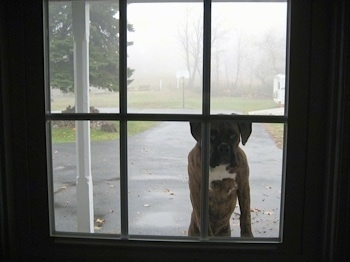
point(310, 184)
point(98, 119)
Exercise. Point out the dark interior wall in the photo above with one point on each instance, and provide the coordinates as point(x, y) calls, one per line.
point(336, 231)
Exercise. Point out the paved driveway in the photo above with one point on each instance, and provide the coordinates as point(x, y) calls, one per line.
point(159, 201)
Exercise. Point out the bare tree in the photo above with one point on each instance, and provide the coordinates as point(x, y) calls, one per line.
point(216, 66)
point(234, 60)
point(273, 46)
point(239, 53)
point(250, 62)
point(218, 42)
point(190, 35)
point(272, 60)
point(190, 38)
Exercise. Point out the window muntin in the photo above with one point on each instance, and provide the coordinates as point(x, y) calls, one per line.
point(266, 212)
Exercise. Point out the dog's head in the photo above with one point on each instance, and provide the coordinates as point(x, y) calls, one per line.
point(224, 140)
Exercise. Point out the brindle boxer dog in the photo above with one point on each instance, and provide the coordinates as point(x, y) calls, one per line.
point(228, 178)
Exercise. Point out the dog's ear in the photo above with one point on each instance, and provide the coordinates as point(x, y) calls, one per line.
point(245, 130)
point(196, 130)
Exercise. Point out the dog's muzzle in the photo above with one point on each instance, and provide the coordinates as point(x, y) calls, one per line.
point(221, 155)
point(224, 149)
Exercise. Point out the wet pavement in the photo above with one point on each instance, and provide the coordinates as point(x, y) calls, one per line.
point(158, 192)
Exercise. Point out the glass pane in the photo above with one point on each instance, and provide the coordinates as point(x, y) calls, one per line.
point(245, 179)
point(165, 57)
point(159, 202)
point(84, 55)
point(248, 57)
point(85, 176)
point(159, 189)
point(264, 150)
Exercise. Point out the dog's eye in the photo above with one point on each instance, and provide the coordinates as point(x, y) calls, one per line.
point(233, 136)
point(213, 135)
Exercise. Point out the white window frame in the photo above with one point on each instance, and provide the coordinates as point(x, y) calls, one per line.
point(85, 217)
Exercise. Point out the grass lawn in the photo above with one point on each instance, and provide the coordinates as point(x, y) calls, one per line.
point(276, 132)
point(67, 135)
point(159, 100)
point(168, 100)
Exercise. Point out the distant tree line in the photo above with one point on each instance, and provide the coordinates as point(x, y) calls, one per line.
point(240, 63)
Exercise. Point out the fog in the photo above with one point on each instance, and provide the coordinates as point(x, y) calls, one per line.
point(248, 44)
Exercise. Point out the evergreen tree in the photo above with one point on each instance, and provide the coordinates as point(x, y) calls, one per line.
point(103, 47)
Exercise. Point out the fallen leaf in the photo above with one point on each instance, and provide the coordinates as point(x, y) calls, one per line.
point(99, 222)
point(255, 210)
point(268, 213)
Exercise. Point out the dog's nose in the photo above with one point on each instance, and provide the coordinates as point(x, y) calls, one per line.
point(224, 148)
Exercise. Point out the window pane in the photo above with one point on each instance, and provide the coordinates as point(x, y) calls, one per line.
point(165, 57)
point(84, 54)
point(248, 57)
point(159, 201)
point(234, 180)
point(77, 168)
point(159, 194)
point(264, 151)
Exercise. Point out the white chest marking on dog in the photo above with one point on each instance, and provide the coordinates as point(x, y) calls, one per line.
point(219, 173)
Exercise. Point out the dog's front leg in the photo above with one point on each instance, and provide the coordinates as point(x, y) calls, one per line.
point(194, 174)
point(243, 195)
